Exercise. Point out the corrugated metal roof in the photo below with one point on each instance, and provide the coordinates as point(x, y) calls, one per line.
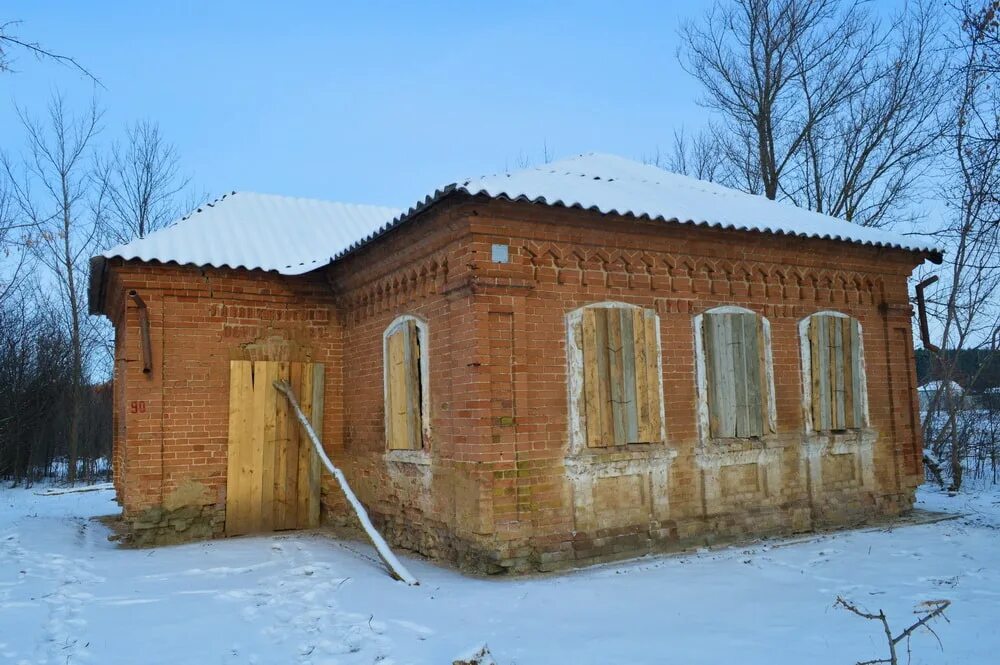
point(259, 231)
point(293, 235)
point(613, 185)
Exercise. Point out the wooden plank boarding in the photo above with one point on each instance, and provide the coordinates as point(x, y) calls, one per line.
point(397, 393)
point(763, 382)
point(268, 374)
point(255, 462)
point(411, 364)
point(643, 390)
point(725, 382)
point(616, 376)
point(272, 480)
point(741, 378)
point(857, 376)
point(652, 368)
point(837, 373)
point(281, 445)
point(621, 376)
point(814, 376)
point(298, 464)
point(309, 487)
point(591, 378)
point(629, 387)
point(284, 446)
point(710, 343)
point(754, 359)
point(846, 327)
point(823, 372)
point(735, 364)
point(607, 436)
point(238, 378)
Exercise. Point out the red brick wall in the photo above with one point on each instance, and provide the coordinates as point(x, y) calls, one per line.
point(497, 488)
point(561, 260)
point(172, 424)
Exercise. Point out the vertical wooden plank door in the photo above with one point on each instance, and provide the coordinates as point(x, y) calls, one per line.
point(272, 478)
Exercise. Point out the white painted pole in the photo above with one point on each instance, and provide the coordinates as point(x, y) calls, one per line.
point(396, 568)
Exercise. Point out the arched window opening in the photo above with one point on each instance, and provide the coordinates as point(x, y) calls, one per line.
point(834, 386)
point(736, 388)
point(615, 375)
point(404, 348)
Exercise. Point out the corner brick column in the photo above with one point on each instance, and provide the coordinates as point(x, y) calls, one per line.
point(143, 410)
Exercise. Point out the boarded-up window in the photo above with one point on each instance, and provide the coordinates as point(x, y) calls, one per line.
point(403, 387)
point(736, 374)
point(622, 392)
point(836, 372)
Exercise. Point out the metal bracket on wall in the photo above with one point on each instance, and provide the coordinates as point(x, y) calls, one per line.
point(147, 346)
point(925, 335)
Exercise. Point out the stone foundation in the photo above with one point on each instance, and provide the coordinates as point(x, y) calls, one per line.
point(160, 526)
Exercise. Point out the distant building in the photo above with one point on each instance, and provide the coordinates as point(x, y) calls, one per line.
point(950, 391)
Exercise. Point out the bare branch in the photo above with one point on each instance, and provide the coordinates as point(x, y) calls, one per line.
point(820, 104)
point(7, 39)
point(931, 610)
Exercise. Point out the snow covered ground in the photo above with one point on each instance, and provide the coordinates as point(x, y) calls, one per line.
point(67, 595)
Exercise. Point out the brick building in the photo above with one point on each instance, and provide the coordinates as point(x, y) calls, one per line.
point(583, 361)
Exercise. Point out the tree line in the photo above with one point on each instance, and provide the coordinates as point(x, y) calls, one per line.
point(65, 195)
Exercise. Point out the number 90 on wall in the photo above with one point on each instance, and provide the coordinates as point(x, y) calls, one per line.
point(137, 406)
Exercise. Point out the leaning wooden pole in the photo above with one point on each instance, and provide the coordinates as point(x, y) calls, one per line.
point(396, 568)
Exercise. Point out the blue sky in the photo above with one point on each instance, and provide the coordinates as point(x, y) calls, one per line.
point(366, 102)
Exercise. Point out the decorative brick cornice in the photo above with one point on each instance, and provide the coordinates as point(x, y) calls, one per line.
point(551, 263)
point(395, 290)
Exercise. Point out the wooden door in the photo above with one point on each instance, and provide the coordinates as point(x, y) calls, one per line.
point(273, 471)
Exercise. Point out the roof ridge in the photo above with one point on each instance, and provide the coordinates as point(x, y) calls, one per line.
point(198, 209)
point(293, 197)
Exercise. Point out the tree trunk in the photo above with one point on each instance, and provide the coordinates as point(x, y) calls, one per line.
point(72, 446)
point(956, 448)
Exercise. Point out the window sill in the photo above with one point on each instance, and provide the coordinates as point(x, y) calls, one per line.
point(641, 449)
point(741, 443)
point(641, 453)
point(839, 441)
point(420, 457)
point(715, 453)
point(851, 431)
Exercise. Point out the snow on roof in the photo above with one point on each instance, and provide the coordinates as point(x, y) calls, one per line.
point(935, 386)
point(293, 236)
point(613, 185)
point(259, 231)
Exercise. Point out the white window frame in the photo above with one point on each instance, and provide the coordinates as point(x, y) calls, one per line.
point(701, 369)
point(423, 335)
point(805, 351)
point(575, 374)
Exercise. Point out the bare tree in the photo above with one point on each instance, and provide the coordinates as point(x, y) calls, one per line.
point(56, 194)
point(12, 255)
point(863, 160)
point(698, 156)
point(10, 40)
point(966, 303)
point(142, 183)
point(524, 160)
point(818, 102)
